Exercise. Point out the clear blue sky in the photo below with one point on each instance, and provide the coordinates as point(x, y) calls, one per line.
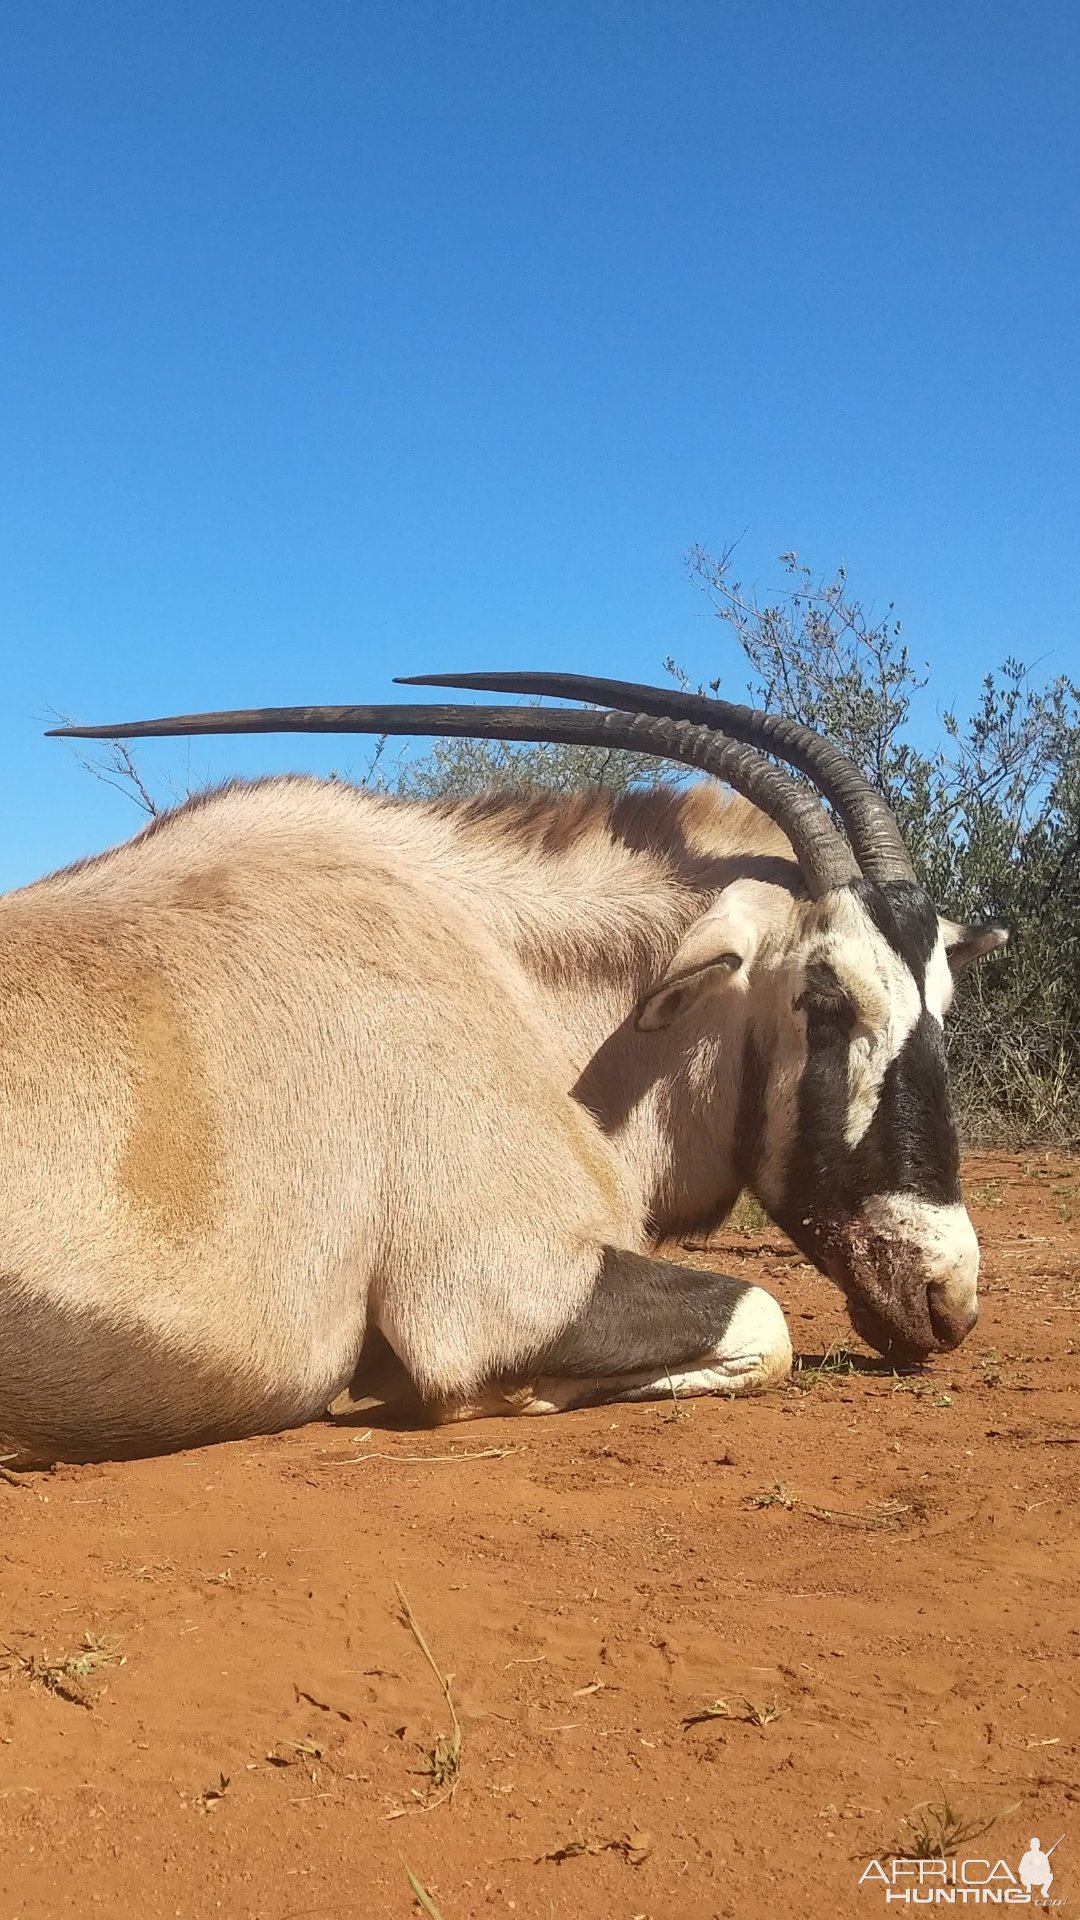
point(342, 340)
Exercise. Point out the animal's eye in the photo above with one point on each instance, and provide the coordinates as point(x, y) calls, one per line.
point(824, 996)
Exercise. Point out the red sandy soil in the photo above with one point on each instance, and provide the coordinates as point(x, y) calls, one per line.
point(907, 1608)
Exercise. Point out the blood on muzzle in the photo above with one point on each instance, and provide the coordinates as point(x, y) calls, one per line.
point(907, 1268)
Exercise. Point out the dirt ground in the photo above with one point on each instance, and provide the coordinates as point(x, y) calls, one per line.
point(212, 1701)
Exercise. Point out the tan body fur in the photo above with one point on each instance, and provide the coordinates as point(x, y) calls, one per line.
point(298, 1060)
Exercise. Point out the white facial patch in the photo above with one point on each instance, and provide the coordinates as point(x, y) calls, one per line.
point(944, 1237)
point(940, 985)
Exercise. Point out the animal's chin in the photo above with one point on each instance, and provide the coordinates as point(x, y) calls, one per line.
point(900, 1341)
point(883, 1284)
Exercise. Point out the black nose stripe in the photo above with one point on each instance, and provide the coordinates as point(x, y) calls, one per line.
point(912, 1136)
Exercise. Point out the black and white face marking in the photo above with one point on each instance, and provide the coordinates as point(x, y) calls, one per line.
point(844, 1127)
point(862, 1169)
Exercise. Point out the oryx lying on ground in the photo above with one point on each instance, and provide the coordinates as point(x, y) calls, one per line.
point(299, 1062)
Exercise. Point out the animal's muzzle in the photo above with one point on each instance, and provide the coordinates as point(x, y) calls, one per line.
point(908, 1269)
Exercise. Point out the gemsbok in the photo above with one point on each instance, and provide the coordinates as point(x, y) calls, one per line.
point(300, 1065)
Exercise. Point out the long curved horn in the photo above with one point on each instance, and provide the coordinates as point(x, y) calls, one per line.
point(871, 828)
point(825, 860)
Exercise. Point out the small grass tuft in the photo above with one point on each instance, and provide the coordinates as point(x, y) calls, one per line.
point(442, 1763)
point(924, 1390)
point(935, 1829)
point(291, 1753)
point(889, 1515)
point(775, 1496)
point(635, 1847)
point(63, 1677)
point(1066, 1202)
point(833, 1365)
point(748, 1215)
point(762, 1713)
point(990, 1368)
point(754, 1712)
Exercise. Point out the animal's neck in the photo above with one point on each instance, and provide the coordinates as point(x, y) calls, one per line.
point(593, 899)
point(671, 1104)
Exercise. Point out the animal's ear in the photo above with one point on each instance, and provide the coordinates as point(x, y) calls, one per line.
point(714, 957)
point(966, 944)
